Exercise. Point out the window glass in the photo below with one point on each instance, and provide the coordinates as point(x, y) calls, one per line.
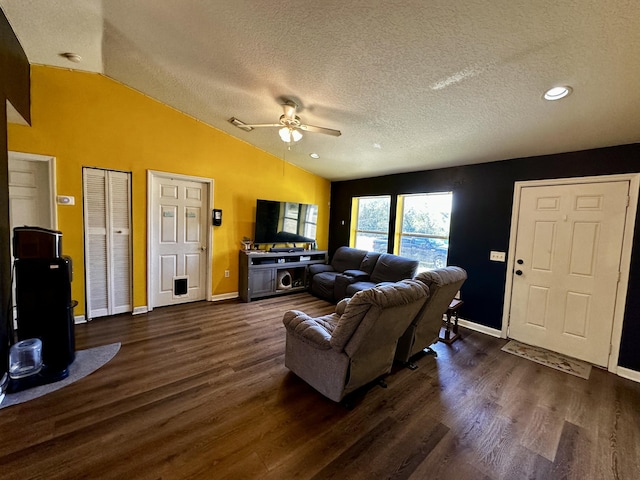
point(425, 222)
point(372, 223)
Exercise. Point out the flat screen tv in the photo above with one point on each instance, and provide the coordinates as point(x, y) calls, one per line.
point(285, 222)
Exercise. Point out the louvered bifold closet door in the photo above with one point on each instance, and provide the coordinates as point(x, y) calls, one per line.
point(95, 242)
point(107, 220)
point(119, 260)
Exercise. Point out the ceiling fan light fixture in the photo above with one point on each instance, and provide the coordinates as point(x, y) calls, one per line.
point(556, 93)
point(288, 134)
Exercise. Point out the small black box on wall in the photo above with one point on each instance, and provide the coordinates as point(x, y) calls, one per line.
point(216, 217)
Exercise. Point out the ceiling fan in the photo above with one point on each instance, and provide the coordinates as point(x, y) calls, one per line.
point(289, 124)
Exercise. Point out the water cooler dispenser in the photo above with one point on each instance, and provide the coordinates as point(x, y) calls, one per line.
point(43, 301)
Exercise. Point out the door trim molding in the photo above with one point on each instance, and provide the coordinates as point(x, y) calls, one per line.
point(625, 258)
point(151, 176)
point(51, 164)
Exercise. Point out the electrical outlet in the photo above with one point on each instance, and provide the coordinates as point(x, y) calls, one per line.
point(497, 256)
point(226, 273)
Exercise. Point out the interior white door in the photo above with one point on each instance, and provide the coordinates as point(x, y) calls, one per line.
point(107, 231)
point(178, 231)
point(567, 267)
point(30, 197)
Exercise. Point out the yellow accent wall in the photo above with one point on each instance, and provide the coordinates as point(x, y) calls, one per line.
point(86, 119)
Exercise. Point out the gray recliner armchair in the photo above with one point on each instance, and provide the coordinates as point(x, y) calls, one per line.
point(340, 352)
point(443, 284)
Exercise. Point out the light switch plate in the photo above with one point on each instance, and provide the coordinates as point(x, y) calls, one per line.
point(497, 256)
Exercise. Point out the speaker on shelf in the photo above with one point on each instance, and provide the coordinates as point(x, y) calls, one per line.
point(284, 280)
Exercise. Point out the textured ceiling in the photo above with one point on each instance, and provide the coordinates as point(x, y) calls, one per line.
point(412, 85)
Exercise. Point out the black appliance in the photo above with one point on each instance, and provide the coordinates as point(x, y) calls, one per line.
point(43, 302)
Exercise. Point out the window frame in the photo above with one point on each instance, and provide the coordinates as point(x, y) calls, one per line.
point(395, 233)
point(399, 234)
point(355, 217)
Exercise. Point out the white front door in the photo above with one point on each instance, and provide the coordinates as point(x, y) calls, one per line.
point(107, 241)
point(567, 267)
point(179, 223)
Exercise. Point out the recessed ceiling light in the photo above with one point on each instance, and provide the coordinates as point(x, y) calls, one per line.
point(72, 57)
point(556, 93)
point(314, 155)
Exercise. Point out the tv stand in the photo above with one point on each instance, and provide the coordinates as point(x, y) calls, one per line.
point(264, 274)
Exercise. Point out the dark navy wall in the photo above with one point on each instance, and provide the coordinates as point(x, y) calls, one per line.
point(481, 222)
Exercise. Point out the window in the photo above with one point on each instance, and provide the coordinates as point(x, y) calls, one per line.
point(371, 229)
point(423, 228)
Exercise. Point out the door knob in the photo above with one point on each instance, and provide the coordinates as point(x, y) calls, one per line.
point(203, 248)
point(519, 261)
point(518, 272)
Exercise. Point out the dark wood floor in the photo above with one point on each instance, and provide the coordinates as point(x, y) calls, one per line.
point(201, 391)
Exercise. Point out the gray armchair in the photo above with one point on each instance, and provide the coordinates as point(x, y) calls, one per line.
point(443, 284)
point(340, 352)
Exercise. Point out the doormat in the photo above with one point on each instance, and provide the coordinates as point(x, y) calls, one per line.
point(85, 363)
point(550, 359)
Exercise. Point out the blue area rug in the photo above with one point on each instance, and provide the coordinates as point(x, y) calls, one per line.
point(86, 362)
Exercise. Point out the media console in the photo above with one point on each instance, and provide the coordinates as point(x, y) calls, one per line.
point(263, 274)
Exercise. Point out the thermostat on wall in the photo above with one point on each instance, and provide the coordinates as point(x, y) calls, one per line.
point(66, 200)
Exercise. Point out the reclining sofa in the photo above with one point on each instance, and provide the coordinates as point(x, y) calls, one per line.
point(443, 284)
point(352, 270)
point(340, 352)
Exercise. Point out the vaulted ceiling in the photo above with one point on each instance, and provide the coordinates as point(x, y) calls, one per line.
point(412, 85)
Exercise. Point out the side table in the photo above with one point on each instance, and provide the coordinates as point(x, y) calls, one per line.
point(449, 332)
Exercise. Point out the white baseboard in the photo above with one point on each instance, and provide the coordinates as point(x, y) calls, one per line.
point(224, 296)
point(628, 374)
point(140, 310)
point(480, 328)
point(79, 319)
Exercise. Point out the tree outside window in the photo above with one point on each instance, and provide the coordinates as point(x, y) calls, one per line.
point(424, 234)
point(421, 229)
point(372, 222)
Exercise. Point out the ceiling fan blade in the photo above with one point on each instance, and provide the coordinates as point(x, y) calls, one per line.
point(327, 131)
point(263, 125)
